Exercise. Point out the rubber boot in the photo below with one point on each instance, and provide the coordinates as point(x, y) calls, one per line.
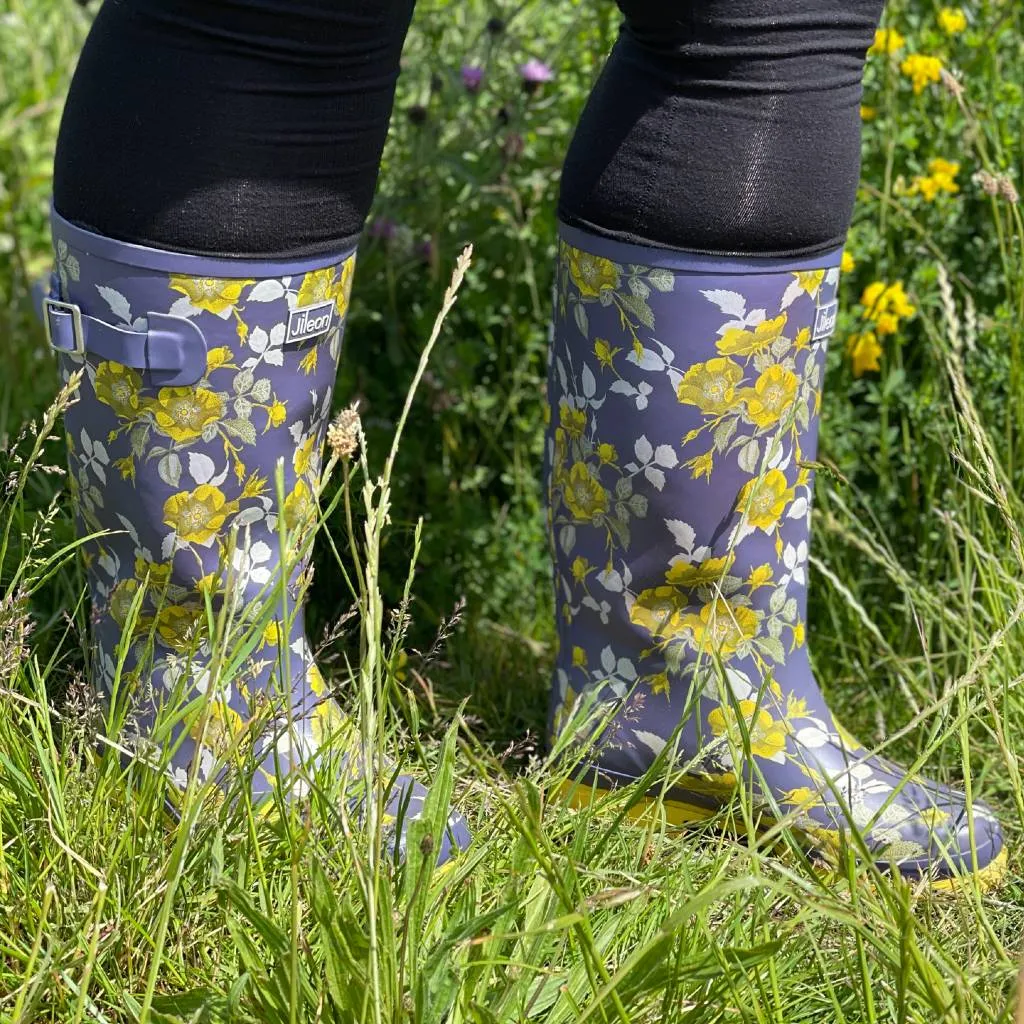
point(684, 394)
point(203, 380)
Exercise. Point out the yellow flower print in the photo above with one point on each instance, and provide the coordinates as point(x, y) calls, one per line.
point(659, 611)
point(711, 386)
point(721, 627)
point(196, 516)
point(607, 454)
point(921, 70)
point(217, 357)
point(849, 741)
point(118, 386)
point(701, 466)
point(708, 572)
point(809, 280)
point(121, 599)
point(761, 576)
point(796, 707)
point(299, 505)
point(223, 726)
point(799, 636)
point(344, 290)
point(771, 396)
point(604, 352)
point(255, 486)
point(863, 350)
point(158, 573)
point(183, 413)
point(579, 657)
point(802, 340)
point(763, 500)
point(659, 683)
point(933, 817)
point(586, 499)
point(318, 286)
point(848, 262)
point(179, 626)
point(803, 798)
point(738, 341)
point(887, 40)
point(767, 736)
point(574, 421)
point(272, 634)
point(952, 20)
point(276, 414)
point(307, 364)
point(591, 274)
point(213, 294)
point(303, 457)
point(580, 568)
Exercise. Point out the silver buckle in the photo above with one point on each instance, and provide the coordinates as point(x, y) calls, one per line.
point(77, 330)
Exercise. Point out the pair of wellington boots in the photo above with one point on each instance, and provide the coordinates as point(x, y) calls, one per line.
point(684, 397)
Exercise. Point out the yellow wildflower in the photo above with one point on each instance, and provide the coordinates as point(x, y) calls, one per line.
point(740, 342)
point(887, 40)
point(952, 20)
point(868, 113)
point(848, 262)
point(721, 627)
point(212, 294)
point(771, 396)
point(711, 386)
point(863, 350)
point(184, 413)
point(196, 516)
point(941, 177)
point(586, 499)
point(922, 70)
point(591, 274)
point(767, 736)
point(762, 500)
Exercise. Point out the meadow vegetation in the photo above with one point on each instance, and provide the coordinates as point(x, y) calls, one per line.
point(111, 913)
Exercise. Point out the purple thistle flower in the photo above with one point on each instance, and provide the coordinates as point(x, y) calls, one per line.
point(383, 228)
point(535, 73)
point(472, 77)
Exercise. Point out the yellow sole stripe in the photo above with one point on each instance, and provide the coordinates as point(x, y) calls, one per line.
point(678, 813)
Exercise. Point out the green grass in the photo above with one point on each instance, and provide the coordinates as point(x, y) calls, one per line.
point(110, 912)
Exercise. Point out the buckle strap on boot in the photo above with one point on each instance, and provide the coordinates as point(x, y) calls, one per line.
point(172, 350)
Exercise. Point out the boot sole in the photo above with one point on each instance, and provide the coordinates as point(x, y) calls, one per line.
point(680, 814)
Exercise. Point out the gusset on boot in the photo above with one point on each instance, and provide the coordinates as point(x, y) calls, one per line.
point(684, 395)
point(200, 378)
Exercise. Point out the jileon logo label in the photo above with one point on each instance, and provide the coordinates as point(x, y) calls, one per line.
point(825, 321)
point(309, 321)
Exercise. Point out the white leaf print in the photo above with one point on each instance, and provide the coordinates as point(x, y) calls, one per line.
point(273, 357)
point(610, 580)
point(266, 291)
point(249, 516)
point(643, 448)
point(623, 387)
point(625, 669)
point(683, 533)
point(129, 528)
point(755, 317)
point(655, 476)
point(567, 538)
point(798, 509)
point(647, 360)
point(666, 353)
point(749, 456)
point(832, 277)
point(258, 339)
point(651, 740)
point(118, 304)
point(86, 441)
point(791, 294)
point(608, 660)
point(182, 307)
point(665, 456)
point(730, 303)
point(168, 546)
point(589, 384)
point(200, 467)
point(169, 469)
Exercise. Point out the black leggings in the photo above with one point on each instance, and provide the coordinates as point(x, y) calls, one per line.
point(255, 127)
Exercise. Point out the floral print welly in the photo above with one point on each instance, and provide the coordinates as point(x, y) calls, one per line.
point(185, 493)
point(684, 395)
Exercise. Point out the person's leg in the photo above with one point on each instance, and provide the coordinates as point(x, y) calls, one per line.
point(215, 164)
point(704, 204)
